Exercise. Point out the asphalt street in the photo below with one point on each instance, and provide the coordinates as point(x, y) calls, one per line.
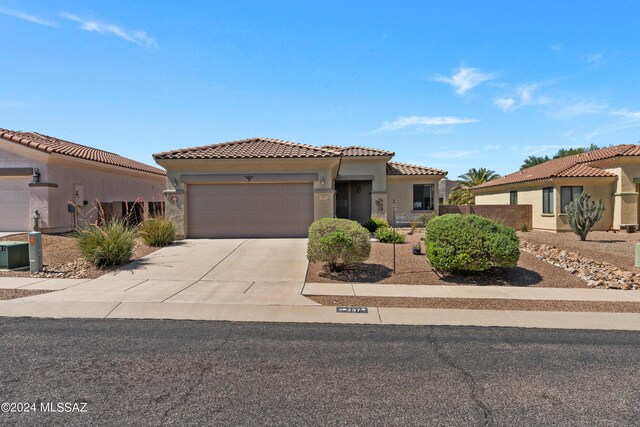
point(219, 373)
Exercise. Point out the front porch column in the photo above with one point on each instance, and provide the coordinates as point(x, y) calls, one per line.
point(323, 203)
point(379, 204)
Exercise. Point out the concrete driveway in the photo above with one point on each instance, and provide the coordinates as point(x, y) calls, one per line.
point(234, 271)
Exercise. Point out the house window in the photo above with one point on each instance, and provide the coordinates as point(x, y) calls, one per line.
point(423, 197)
point(568, 195)
point(513, 197)
point(547, 200)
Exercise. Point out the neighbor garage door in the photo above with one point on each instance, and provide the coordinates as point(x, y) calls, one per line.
point(14, 204)
point(249, 210)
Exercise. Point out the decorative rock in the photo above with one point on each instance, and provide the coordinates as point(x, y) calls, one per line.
point(596, 274)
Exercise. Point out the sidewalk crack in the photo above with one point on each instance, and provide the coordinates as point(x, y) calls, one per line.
point(114, 309)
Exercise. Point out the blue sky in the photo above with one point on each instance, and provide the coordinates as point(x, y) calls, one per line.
point(452, 85)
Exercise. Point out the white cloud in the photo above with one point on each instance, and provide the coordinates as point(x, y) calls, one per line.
point(556, 47)
point(578, 109)
point(593, 58)
point(410, 121)
point(627, 114)
point(505, 104)
point(524, 95)
point(491, 147)
point(465, 79)
point(138, 37)
point(26, 17)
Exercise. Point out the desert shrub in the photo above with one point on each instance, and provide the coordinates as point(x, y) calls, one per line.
point(374, 223)
point(524, 227)
point(424, 219)
point(389, 235)
point(157, 232)
point(584, 214)
point(414, 225)
point(106, 245)
point(338, 243)
point(457, 242)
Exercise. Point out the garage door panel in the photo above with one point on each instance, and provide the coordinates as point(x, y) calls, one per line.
point(249, 210)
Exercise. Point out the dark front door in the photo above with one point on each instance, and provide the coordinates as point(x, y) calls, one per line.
point(342, 200)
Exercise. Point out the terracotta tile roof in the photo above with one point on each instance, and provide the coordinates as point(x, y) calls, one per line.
point(571, 166)
point(49, 144)
point(397, 168)
point(356, 151)
point(253, 148)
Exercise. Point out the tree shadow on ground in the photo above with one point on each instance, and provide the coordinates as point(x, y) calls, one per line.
point(360, 273)
point(502, 276)
point(605, 241)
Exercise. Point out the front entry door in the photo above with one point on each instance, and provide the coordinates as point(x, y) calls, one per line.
point(342, 200)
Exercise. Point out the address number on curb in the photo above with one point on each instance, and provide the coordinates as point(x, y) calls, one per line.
point(352, 310)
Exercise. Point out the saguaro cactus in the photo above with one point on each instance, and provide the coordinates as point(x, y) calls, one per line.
point(584, 214)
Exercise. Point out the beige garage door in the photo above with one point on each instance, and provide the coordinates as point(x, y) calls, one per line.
point(249, 210)
point(14, 204)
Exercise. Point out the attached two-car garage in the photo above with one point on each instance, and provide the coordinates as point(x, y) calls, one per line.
point(249, 210)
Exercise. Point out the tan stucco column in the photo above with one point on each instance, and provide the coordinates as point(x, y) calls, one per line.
point(625, 210)
point(379, 205)
point(323, 203)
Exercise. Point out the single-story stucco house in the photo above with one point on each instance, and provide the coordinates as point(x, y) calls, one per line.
point(263, 187)
point(63, 181)
point(611, 174)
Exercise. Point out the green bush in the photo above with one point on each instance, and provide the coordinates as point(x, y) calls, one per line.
point(457, 242)
point(157, 232)
point(106, 245)
point(338, 243)
point(388, 235)
point(374, 223)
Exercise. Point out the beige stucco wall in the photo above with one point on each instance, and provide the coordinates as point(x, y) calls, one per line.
point(370, 166)
point(101, 182)
point(626, 195)
point(531, 194)
point(177, 191)
point(400, 188)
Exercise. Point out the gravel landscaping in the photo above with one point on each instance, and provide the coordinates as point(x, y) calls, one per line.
point(6, 294)
point(62, 258)
point(479, 304)
point(416, 270)
point(614, 248)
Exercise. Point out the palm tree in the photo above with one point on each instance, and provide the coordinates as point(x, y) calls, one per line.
point(461, 194)
point(533, 161)
point(478, 176)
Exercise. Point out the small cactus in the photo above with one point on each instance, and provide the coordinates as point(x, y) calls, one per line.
point(584, 214)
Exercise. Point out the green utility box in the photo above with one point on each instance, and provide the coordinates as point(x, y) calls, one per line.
point(14, 255)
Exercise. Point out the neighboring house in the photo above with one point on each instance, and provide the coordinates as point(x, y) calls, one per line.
point(445, 187)
point(63, 180)
point(611, 174)
point(263, 187)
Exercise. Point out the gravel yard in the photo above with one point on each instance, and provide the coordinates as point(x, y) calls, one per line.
point(615, 248)
point(479, 304)
point(415, 270)
point(6, 294)
point(61, 254)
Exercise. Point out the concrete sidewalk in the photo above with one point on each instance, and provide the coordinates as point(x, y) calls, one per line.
point(318, 314)
point(126, 297)
point(490, 292)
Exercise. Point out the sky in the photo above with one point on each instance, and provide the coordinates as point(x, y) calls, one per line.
point(447, 84)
